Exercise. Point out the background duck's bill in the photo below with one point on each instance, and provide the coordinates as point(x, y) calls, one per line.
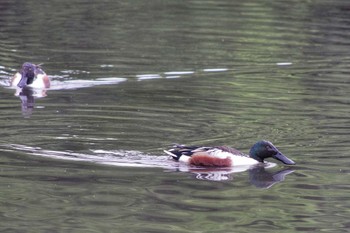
point(23, 81)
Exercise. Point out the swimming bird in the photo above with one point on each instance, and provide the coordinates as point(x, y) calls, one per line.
point(224, 156)
point(31, 75)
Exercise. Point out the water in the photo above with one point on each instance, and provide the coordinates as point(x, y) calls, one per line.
point(131, 78)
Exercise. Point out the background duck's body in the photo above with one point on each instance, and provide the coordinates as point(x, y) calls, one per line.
point(30, 75)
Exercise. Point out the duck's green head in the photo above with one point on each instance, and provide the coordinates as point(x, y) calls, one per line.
point(265, 149)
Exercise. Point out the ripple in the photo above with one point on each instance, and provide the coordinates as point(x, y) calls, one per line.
point(215, 70)
point(76, 84)
point(75, 72)
point(178, 72)
point(148, 76)
point(274, 69)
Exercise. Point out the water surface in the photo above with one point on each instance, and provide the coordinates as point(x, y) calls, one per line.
point(131, 78)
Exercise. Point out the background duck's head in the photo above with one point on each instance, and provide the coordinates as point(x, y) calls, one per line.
point(27, 71)
point(265, 149)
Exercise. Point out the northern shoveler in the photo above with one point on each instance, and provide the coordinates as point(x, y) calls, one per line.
point(223, 156)
point(31, 75)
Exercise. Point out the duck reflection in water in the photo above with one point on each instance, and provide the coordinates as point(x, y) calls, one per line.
point(27, 96)
point(259, 176)
point(27, 101)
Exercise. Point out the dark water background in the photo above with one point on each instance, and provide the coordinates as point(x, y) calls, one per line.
point(130, 78)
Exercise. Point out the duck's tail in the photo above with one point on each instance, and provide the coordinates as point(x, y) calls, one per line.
point(180, 150)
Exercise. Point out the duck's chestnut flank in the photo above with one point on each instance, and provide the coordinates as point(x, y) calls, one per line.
point(209, 161)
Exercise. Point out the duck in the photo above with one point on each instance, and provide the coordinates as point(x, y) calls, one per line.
point(30, 75)
point(224, 156)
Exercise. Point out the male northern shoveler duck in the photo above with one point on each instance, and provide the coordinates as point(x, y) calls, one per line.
point(31, 75)
point(223, 156)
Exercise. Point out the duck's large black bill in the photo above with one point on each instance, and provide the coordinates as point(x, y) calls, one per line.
point(279, 156)
point(23, 82)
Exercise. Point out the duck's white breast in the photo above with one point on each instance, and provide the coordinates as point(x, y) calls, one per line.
point(41, 81)
point(15, 79)
point(239, 160)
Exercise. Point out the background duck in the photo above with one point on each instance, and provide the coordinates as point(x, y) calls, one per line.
point(30, 75)
point(224, 156)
